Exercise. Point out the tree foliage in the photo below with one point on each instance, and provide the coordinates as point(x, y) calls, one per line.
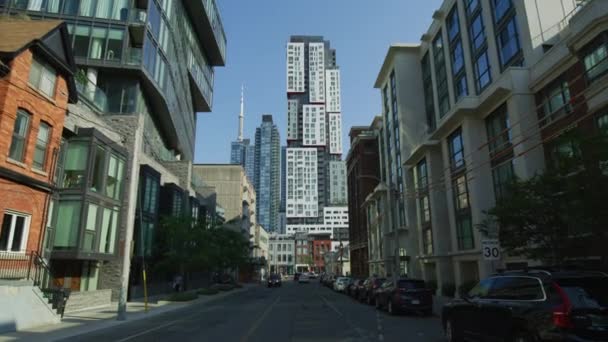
point(560, 215)
point(184, 247)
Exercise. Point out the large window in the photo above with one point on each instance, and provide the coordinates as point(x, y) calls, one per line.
point(596, 62)
point(114, 177)
point(556, 101)
point(91, 228)
point(97, 42)
point(20, 132)
point(502, 176)
point(441, 75)
point(68, 223)
point(461, 193)
point(14, 233)
point(42, 141)
point(75, 165)
point(457, 55)
point(427, 241)
point(456, 150)
point(464, 233)
point(477, 37)
point(508, 43)
point(421, 175)
point(429, 101)
point(43, 77)
point(109, 226)
point(498, 130)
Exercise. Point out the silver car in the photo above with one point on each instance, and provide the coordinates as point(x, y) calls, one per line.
point(341, 283)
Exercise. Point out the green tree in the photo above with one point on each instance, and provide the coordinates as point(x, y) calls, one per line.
point(559, 215)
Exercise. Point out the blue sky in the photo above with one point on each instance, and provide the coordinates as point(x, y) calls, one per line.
point(257, 32)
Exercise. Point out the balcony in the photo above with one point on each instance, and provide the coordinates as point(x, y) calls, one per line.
point(90, 93)
point(133, 56)
point(209, 29)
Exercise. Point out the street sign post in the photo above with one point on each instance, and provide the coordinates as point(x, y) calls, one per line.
point(490, 249)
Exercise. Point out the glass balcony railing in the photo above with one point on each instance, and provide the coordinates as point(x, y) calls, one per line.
point(216, 23)
point(133, 56)
point(90, 93)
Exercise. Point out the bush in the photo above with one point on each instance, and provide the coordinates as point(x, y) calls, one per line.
point(465, 287)
point(182, 297)
point(448, 290)
point(432, 284)
point(207, 292)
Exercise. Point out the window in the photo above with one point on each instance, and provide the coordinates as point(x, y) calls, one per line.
point(456, 150)
point(20, 131)
point(42, 141)
point(502, 176)
point(498, 130)
point(508, 43)
point(14, 233)
point(68, 221)
point(441, 75)
point(109, 225)
point(516, 288)
point(90, 228)
point(472, 6)
point(453, 24)
point(75, 164)
point(81, 40)
point(114, 177)
point(482, 71)
point(464, 232)
point(425, 209)
point(596, 63)
point(428, 241)
point(500, 8)
point(98, 169)
point(461, 194)
point(429, 101)
point(482, 289)
point(477, 32)
point(43, 77)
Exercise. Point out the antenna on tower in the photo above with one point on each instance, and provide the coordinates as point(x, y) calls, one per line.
point(241, 114)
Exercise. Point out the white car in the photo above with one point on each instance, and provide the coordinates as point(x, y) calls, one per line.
point(341, 283)
point(304, 278)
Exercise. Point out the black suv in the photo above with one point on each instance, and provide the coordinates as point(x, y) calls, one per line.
point(532, 305)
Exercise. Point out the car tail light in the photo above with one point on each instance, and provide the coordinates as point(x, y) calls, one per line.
point(561, 314)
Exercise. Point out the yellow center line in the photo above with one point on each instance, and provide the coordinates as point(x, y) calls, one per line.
point(259, 321)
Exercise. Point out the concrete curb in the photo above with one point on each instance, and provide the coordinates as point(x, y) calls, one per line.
point(65, 329)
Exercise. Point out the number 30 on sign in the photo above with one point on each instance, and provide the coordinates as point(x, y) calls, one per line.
point(490, 249)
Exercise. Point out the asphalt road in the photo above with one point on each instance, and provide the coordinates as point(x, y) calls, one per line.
point(294, 313)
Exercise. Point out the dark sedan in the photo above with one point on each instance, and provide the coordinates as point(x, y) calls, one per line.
point(274, 280)
point(367, 293)
point(405, 295)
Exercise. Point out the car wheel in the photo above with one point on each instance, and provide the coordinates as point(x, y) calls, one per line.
point(451, 332)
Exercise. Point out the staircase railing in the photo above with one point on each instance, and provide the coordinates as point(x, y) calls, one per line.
point(33, 267)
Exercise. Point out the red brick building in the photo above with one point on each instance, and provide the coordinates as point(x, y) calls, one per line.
point(363, 170)
point(36, 84)
point(320, 245)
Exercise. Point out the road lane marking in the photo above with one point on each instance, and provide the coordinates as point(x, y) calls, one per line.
point(346, 320)
point(259, 321)
point(148, 331)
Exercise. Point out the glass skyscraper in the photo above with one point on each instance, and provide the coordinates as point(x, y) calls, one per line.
point(243, 153)
point(267, 173)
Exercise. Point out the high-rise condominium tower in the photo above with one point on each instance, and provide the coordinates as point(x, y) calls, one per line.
point(314, 137)
point(267, 173)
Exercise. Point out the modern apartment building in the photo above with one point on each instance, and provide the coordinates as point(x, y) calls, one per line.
point(313, 131)
point(363, 177)
point(267, 173)
point(456, 137)
point(144, 69)
point(337, 183)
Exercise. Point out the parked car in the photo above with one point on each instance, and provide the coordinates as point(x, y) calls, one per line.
point(313, 275)
point(532, 305)
point(296, 276)
point(274, 280)
point(367, 293)
point(340, 284)
point(405, 295)
point(303, 278)
point(353, 287)
point(329, 280)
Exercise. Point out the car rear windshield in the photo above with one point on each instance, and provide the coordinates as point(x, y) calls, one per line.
point(589, 292)
point(411, 284)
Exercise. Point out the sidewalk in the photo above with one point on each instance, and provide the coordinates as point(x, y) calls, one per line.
point(77, 323)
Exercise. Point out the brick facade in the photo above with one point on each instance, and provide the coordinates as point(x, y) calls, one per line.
point(28, 194)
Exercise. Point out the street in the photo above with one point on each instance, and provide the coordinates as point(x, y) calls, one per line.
point(294, 312)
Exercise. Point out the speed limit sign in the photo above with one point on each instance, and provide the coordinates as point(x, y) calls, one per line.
point(490, 249)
